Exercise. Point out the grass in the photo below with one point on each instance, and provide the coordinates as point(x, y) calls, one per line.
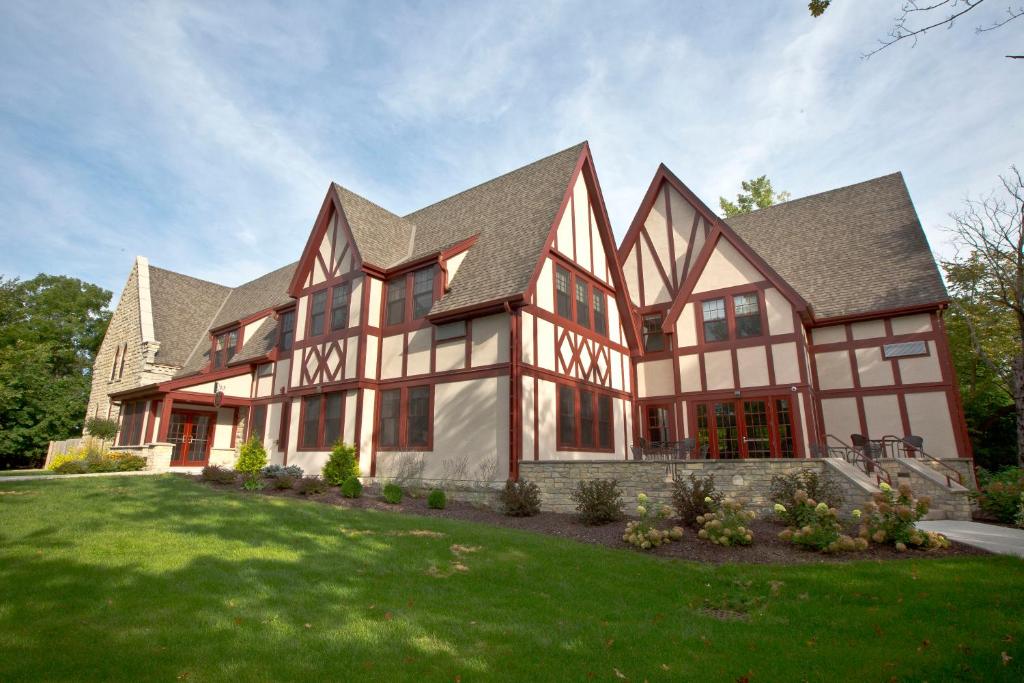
point(23, 473)
point(145, 578)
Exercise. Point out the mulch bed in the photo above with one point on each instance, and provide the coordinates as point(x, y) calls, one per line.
point(767, 548)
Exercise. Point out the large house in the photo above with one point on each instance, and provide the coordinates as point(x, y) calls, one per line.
point(503, 324)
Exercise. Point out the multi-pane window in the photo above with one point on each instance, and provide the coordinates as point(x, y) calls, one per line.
point(566, 416)
point(582, 309)
point(422, 292)
point(657, 424)
point(258, 421)
point(395, 313)
point(748, 315)
point(584, 419)
point(600, 317)
point(340, 296)
point(390, 416)
point(654, 337)
point(332, 418)
point(604, 421)
point(317, 313)
point(287, 331)
point(310, 421)
point(265, 370)
point(224, 347)
point(716, 327)
point(405, 418)
point(133, 414)
point(418, 421)
point(562, 292)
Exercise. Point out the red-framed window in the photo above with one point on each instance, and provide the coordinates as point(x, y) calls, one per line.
point(751, 427)
point(258, 421)
point(282, 431)
point(133, 414)
point(657, 423)
point(320, 420)
point(317, 313)
point(405, 418)
point(654, 337)
point(341, 299)
point(225, 345)
point(584, 419)
point(410, 296)
point(579, 300)
point(422, 292)
point(286, 331)
point(265, 370)
point(734, 316)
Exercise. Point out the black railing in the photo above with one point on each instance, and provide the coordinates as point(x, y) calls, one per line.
point(913, 447)
point(665, 450)
point(861, 457)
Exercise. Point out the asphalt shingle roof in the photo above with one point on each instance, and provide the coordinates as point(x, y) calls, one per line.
point(383, 239)
point(848, 251)
point(183, 307)
point(267, 291)
point(260, 344)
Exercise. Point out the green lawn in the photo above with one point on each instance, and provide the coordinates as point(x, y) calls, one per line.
point(157, 578)
point(22, 473)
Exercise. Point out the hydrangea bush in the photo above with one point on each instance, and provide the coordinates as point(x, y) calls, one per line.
point(643, 532)
point(727, 524)
point(821, 529)
point(891, 518)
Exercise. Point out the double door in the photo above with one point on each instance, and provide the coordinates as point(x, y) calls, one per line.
point(191, 434)
point(746, 428)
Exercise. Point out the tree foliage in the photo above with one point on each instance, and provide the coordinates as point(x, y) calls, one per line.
point(50, 329)
point(757, 194)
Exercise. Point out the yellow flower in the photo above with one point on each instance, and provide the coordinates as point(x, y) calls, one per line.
point(780, 508)
point(707, 499)
point(856, 514)
point(885, 487)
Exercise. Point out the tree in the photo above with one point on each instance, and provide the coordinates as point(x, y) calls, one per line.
point(916, 19)
point(987, 284)
point(757, 194)
point(50, 329)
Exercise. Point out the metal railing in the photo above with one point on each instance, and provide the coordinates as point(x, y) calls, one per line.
point(859, 457)
point(905, 447)
point(664, 450)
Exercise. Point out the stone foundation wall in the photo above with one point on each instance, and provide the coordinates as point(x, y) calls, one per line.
point(947, 503)
point(746, 480)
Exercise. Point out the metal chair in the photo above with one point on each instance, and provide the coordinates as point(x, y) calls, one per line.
point(685, 447)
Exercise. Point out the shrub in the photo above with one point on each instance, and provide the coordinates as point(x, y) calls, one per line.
point(252, 457)
point(218, 475)
point(342, 465)
point(643, 533)
point(68, 466)
point(127, 462)
point(253, 482)
point(891, 517)
point(1019, 520)
point(352, 488)
point(437, 500)
point(783, 491)
point(821, 529)
point(311, 486)
point(1000, 493)
point(90, 448)
point(102, 428)
point(283, 482)
point(727, 524)
point(520, 498)
point(293, 471)
point(690, 497)
point(598, 501)
point(392, 493)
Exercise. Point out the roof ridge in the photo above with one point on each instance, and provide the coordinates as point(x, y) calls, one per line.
point(266, 274)
point(190, 277)
point(368, 201)
point(817, 194)
point(496, 178)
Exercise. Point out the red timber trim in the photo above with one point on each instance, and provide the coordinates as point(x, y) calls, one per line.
point(321, 444)
point(767, 394)
point(585, 166)
point(403, 418)
point(855, 375)
point(956, 409)
point(165, 418)
point(515, 442)
point(596, 392)
point(205, 377)
point(311, 251)
point(875, 315)
point(154, 410)
point(730, 316)
point(548, 375)
point(457, 375)
point(207, 399)
point(234, 425)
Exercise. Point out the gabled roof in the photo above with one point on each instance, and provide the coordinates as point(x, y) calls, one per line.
point(267, 291)
point(382, 238)
point(513, 215)
point(853, 250)
point(183, 307)
point(260, 344)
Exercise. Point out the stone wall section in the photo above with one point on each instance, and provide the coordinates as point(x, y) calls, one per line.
point(124, 332)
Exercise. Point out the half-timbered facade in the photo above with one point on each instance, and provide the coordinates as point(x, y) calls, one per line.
point(503, 324)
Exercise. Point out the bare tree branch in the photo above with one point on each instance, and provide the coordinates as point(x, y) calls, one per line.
point(905, 26)
point(1011, 14)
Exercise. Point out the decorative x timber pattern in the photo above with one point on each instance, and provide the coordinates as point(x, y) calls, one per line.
point(586, 359)
point(318, 360)
point(329, 267)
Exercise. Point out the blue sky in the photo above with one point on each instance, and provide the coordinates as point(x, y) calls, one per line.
point(204, 135)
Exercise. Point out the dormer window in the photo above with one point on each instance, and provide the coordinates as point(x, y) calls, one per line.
point(224, 347)
point(422, 292)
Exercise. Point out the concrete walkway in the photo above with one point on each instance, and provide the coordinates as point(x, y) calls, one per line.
point(996, 539)
point(41, 477)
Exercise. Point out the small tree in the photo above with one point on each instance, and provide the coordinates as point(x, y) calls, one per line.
point(757, 194)
point(252, 457)
point(102, 428)
point(342, 464)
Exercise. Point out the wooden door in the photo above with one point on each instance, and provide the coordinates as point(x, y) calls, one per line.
point(191, 434)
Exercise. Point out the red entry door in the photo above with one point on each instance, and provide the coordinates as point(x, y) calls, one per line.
point(749, 428)
point(191, 435)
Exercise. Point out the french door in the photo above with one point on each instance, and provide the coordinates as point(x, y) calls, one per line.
point(191, 434)
point(746, 428)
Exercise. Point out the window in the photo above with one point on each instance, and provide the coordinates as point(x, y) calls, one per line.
point(310, 421)
point(586, 418)
point(418, 427)
point(224, 346)
point(562, 292)
point(422, 292)
point(390, 413)
point(716, 327)
point(657, 424)
point(117, 362)
point(124, 354)
point(450, 331)
point(905, 349)
point(287, 331)
point(133, 414)
point(332, 419)
point(265, 370)
point(258, 421)
point(566, 416)
point(604, 421)
point(654, 338)
point(282, 432)
point(748, 315)
point(600, 318)
point(395, 314)
point(317, 313)
point(340, 296)
point(582, 309)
